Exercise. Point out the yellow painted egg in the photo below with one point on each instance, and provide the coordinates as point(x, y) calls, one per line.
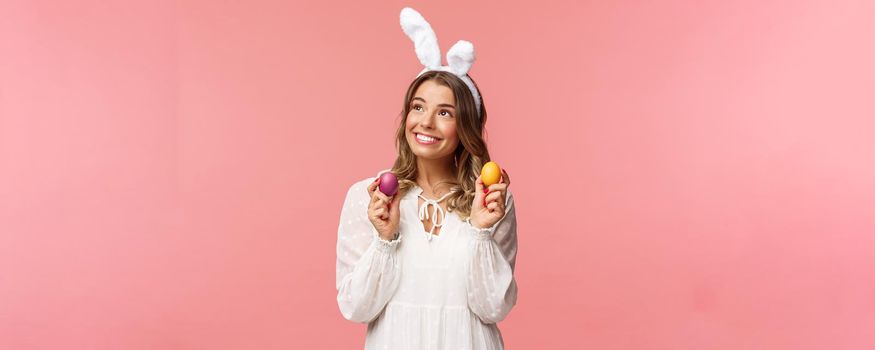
point(490, 174)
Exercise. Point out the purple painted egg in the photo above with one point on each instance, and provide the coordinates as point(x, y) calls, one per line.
point(388, 184)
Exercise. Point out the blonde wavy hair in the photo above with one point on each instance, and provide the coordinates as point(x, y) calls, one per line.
point(470, 155)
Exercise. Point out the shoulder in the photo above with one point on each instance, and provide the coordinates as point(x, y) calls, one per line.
point(361, 185)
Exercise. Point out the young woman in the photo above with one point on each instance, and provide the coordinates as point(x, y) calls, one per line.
point(431, 267)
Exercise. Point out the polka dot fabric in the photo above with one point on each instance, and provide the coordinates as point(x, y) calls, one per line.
point(414, 293)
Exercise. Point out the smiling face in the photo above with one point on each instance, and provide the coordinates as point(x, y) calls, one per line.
point(439, 104)
point(431, 123)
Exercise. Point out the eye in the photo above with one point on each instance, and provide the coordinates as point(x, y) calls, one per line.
point(417, 107)
point(445, 113)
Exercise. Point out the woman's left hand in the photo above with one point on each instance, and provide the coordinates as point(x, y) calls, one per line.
point(488, 208)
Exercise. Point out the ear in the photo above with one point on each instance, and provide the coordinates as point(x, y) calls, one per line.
point(461, 57)
point(423, 37)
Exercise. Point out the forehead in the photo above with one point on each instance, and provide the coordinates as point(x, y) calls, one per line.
point(434, 93)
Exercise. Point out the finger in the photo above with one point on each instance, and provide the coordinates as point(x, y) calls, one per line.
point(383, 215)
point(493, 197)
point(497, 187)
point(492, 206)
point(372, 189)
point(479, 198)
point(382, 197)
point(393, 208)
point(375, 199)
point(478, 186)
point(377, 204)
point(373, 185)
point(379, 212)
point(505, 178)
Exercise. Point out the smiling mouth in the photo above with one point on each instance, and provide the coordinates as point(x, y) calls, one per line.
point(425, 140)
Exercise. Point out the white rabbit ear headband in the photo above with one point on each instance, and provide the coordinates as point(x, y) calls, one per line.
point(460, 57)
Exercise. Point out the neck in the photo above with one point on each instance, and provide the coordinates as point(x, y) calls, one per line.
point(430, 172)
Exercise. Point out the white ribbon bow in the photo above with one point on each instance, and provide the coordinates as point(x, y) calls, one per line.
point(437, 211)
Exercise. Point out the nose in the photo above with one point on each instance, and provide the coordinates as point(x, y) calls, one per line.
point(426, 121)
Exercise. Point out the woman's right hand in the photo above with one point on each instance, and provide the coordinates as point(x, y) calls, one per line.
point(383, 211)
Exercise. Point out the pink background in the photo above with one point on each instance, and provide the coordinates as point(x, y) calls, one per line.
point(688, 174)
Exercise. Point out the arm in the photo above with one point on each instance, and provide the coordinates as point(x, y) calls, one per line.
point(492, 289)
point(368, 268)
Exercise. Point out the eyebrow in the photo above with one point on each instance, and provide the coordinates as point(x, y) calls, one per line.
point(440, 105)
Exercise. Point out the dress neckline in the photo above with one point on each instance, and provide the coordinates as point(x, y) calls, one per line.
point(420, 192)
point(436, 212)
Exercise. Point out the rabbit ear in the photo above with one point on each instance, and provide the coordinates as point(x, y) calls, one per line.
point(461, 57)
point(424, 39)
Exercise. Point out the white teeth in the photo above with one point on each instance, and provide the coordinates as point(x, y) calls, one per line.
point(425, 138)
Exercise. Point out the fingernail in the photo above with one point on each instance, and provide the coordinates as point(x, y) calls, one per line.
point(485, 190)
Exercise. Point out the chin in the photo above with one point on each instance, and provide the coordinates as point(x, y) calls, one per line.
point(425, 154)
point(429, 156)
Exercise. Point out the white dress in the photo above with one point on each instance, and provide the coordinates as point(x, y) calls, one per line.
point(422, 291)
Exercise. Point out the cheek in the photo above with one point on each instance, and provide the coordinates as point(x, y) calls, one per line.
point(408, 126)
point(411, 122)
point(449, 132)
